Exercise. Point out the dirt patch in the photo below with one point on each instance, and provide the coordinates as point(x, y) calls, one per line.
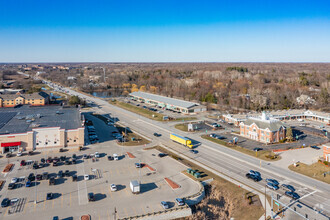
point(224, 200)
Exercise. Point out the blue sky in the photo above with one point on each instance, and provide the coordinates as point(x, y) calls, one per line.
point(164, 31)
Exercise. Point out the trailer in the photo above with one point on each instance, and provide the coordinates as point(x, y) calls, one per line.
point(181, 140)
point(135, 186)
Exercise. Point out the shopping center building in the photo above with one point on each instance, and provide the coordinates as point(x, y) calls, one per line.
point(26, 128)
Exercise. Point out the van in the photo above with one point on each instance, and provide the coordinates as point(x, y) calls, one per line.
point(115, 156)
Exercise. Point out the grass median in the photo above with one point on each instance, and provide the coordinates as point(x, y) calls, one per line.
point(145, 112)
point(262, 154)
point(315, 170)
point(223, 199)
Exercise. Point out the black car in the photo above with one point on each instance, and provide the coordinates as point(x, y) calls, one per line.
point(39, 177)
point(162, 155)
point(35, 166)
point(60, 174)
point(45, 176)
point(315, 147)
point(110, 158)
point(42, 160)
point(52, 181)
point(91, 197)
point(74, 178)
point(61, 150)
point(31, 177)
point(11, 186)
point(255, 178)
point(62, 158)
point(291, 194)
point(56, 159)
point(74, 156)
point(67, 173)
point(289, 187)
point(8, 155)
point(55, 164)
point(257, 149)
point(68, 162)
point(49, 196)
point(74, 161)
point(5, 202)
point(30, 153)
point(157, 135)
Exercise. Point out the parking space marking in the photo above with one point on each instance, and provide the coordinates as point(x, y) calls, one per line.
point(6, 211)
point(126, 212)
point(143, 209)
point(70, 199)
point(117, 171)
point(62, 201)
point(110, 193)
point(108, 214)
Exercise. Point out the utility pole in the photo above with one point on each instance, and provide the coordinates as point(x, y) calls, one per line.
point(265, 204)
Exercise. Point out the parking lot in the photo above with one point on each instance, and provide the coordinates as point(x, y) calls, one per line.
point(71, 196)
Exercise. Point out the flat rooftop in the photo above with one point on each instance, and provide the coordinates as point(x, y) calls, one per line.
point(164, 99)
point(24, 118)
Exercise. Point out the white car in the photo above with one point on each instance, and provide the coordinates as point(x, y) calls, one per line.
point(86, 177)
point(97, 155)
point(19, 153)
point(115, 157)
point(113, 187)
point(14, 180)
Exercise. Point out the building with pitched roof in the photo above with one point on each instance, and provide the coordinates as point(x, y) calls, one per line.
point(263, 129)
point(34, 99)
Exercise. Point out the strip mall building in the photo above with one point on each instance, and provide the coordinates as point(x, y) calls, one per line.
point(31, 128)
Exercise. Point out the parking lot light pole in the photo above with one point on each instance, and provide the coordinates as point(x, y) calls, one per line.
point(35, 185)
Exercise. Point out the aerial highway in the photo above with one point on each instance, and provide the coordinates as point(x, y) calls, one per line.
point(234, 164)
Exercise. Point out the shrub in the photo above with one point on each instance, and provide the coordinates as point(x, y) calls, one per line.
point(326, 162)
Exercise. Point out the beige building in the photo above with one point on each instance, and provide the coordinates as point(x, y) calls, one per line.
point(35, 99)
point(32, 128)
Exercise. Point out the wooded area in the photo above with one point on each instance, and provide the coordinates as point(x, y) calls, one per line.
point(250, 86)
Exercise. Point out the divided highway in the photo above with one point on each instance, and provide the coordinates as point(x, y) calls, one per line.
point(227, 161)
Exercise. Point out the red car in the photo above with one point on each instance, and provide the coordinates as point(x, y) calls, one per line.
point(23, 163)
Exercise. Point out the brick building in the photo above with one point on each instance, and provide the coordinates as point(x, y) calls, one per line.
point(326, 152)
point(263, 129)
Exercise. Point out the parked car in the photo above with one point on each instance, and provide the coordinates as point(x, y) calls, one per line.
point(157, 135)
point(45, 176)
point(110, 158)
point(315, 147)
point(85, 156)
point(23, 163)
point(164, 204)
point(86, 177)
point(74, 156)
point(113, 187)
point(96, 155)
point(138, 165)
point(56, 159)
point(49, 160)
point(13, 180)
point(63, 158)
point(60, 174)
point(39, 177)
point(68, 162)
point(162, 155)
point(91, 197)
point(61, 150)
point(179, 201)
point(257, 149)
point(49, 196)
point(272, 186)
point(31, 177)
point(42, 160)
point(30, 153)
point(19, 153)
point(74, 161)
point(115, 157)
point(74, 178)
point(292, 194)
point(52, 181)
point(5, 202)
point(256, 173)
point(8, 155)
point(11, 186)
point(28, 183)
point(67, 173)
